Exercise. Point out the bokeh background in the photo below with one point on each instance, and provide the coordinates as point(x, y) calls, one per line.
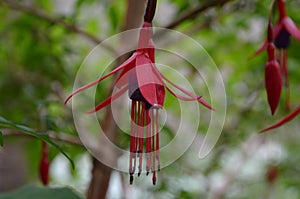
point(42, 45)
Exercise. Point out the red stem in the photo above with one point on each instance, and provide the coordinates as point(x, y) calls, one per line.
point(281, 9)
point(270, 32)
point(150, 11)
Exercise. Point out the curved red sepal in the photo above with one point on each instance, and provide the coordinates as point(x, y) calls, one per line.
point(109, 100)
point(285, 120)
point(126, 63)
point(188, 93)
point(276, 30)
point(291, 27)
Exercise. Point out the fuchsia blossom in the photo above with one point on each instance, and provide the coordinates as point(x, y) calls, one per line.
point(146, 88)
point(273, 80)
point(44, 165)
point(282, 31)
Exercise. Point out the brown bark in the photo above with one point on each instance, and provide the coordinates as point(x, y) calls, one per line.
point(101, 173)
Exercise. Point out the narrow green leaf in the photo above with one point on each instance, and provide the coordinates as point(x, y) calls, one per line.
point(4, 123)
point(1, 138)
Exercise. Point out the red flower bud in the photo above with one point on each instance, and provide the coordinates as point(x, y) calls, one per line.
point(44, 165)
point(273, 84)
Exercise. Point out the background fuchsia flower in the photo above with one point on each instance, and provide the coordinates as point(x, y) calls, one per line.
point(273, 80)
point(146, 88)
point(44, 165)
point(282, 31)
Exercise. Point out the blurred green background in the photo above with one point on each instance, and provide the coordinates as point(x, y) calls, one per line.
point(39, 58)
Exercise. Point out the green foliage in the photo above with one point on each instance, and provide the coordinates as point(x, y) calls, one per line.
point(29, 192)
point(10, 125)
point(39, 61)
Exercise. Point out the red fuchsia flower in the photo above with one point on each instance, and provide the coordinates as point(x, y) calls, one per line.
point(282, 31)
point(146, 88)
point(44, 165)
point(283, 121)
point(273, 80)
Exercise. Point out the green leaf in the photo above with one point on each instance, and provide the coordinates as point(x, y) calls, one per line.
point(4, 123)
point(29, 192)
point(1, 138)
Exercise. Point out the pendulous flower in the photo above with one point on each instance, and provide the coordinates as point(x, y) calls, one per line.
point(44, 165)
point(273, 80)
point(146, 89)
point(282, 31)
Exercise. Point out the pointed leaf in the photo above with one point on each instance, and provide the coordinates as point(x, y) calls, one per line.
point(285, 120)
point(4, 123)
point(125, 64)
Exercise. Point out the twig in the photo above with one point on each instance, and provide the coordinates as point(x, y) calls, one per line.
point(58, 137)
point(190, 14)
point(56, 20)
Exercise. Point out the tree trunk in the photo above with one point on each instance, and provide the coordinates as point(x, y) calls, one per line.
point(101, 173)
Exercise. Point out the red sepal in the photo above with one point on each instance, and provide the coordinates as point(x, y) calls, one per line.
point(125, 64)
point(285, 120)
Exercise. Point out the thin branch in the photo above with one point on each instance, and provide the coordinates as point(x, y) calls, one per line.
point(190, 14)
point(58, 137)
point(56, 20)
